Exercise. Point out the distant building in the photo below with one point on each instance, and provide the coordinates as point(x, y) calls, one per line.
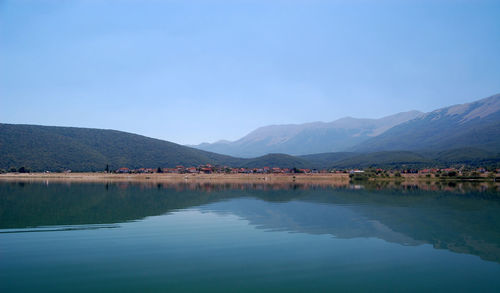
point(428, 171)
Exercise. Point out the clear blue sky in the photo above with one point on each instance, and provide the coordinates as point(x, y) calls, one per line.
point(194, 71)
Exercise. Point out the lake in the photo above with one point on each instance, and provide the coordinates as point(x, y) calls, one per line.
point(158, 237)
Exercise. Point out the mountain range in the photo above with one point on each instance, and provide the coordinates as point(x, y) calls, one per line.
point(474, 124)
point(467, 134)
point(308, 138)
point(54, 148)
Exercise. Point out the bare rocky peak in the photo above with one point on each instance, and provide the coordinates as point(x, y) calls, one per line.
point(275, 134)
point(466, 125)
point(350, 133)
point(278, 133)
point(223, 141)
point(485, 107)
point(469, 111)
point(377, 126)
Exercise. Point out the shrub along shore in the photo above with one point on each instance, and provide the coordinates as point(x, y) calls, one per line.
point(252, 177)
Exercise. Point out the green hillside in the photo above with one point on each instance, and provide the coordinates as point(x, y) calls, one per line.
point(394, 159)
point(389, 159)
point(52, 148)
point(41, 148)
point(82, 149)
point(327, 160)
point(473, 157)
point(277, 160)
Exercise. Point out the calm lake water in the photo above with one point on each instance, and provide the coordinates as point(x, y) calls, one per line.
point(137, 237)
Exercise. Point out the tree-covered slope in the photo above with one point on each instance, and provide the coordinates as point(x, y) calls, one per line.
point(328, 160)
point(277, 160)
point(82, 149)
point(41, 148)
point(473, 157)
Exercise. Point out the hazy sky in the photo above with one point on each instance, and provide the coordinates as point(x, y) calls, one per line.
point(194, 71)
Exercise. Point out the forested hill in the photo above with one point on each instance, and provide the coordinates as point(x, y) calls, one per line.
point(83, 149)
point(41, 148)
point(53, 148)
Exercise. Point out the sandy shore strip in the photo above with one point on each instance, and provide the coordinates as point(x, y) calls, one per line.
point(213, 178)
point(280, 181)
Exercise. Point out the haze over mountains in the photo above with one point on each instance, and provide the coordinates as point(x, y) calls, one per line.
point(53, 148)
point(308, 138)
point(467, 134)
point(473, 124)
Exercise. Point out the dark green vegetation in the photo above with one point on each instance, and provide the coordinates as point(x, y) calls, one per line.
point(276, 160)
point(51, 148)
point(467, 134)
point(472, 157)
point(40, 148)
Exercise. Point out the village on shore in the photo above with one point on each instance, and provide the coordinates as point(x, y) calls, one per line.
point(462, 172)
point(210, 169)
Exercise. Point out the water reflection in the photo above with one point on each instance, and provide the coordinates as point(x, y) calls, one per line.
point(444, 185)
point(462, 217)
point(59, 228)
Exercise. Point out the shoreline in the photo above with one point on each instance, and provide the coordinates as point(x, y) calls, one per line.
point(260, 181)
point(222, 177)
point(176, 178)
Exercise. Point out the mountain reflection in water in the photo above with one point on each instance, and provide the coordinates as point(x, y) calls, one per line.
point(459, 217)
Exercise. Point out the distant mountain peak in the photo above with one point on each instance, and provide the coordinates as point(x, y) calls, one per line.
point(483, 108)
point(307, 138)
point(467, 111)
point(469, 124)
point(475, 124)
point(223, 141)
